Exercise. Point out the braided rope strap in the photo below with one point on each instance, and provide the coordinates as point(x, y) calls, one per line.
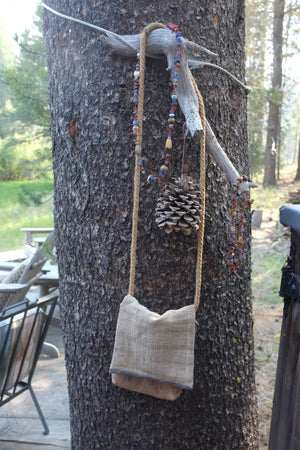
point(135, 213)
point(202, 179)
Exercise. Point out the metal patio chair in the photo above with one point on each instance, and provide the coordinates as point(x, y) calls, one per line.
point(23, 328)
point(14, 287)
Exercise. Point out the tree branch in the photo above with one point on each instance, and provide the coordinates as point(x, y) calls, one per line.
point(163, 42)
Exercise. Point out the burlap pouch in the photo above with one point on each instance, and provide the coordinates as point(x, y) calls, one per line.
point(154, 354)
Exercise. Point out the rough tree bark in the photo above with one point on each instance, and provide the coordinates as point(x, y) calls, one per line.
point(274, 118)
point(93, 158)
point(297, 177)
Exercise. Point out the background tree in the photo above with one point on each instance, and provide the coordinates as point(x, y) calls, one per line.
point(291, 101)
point(93, 159)
point(275, 101)
point(297, 177)
point(25, 149)
point(258, 18)
point(28, 79)
point(259, 23)
point(6, 61)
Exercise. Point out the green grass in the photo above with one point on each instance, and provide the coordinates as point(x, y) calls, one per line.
point(266, 276)
point(15, 215)
point(269, 198)
point(266, 266)
point(272, 197)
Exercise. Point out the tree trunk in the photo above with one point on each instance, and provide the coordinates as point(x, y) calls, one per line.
point(273, 132)
point(257, 25)
point(93, 158)
point(297, 177)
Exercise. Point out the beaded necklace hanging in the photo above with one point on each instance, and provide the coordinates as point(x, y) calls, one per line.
point(187, 185)
point(165, 166)
point(237, 229)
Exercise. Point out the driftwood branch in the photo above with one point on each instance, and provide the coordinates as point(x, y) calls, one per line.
point(162, 42)
point(223, 161)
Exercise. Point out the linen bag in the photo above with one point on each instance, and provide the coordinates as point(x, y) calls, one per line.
point(154, 354)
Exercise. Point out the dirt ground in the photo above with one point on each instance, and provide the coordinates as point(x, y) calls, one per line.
point(270, 238)
point(267, 329)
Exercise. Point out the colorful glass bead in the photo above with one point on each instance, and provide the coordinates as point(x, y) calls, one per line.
point(169, 143)
point(172, 27)
point(171, 121)
point(164, 169)
point(236, 243)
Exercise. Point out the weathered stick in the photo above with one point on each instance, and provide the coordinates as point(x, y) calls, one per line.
point(163, 42)
point(223, 161)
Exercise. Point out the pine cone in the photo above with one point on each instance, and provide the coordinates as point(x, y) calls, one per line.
point(179, 206)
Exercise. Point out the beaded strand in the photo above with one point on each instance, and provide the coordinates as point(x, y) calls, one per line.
point(165, 166)
point(135, 123)
point(237, 229)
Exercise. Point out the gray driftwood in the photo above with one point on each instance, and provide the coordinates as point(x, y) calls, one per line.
point(162, 42)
